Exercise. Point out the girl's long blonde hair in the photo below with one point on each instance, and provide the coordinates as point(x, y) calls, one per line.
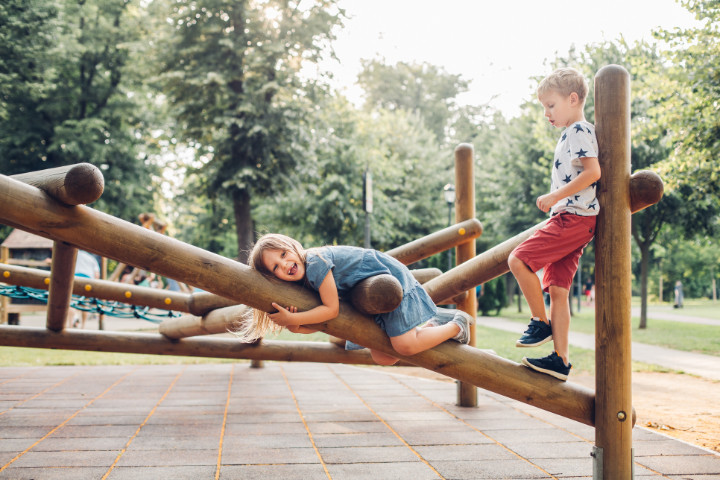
point(250, 329)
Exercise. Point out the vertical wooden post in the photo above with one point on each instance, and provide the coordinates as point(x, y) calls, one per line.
point(4, 301)
point(61, 284)
point(613, 394)
point(465, 210)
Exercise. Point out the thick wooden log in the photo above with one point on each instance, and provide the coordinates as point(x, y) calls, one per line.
point(103, 289)
point(377, 294)
point(613, 273)
point(61, 283)
point(424, 275)
point(114, 238)
point(202, 303)
point(156, 344)
point(78, 184)
point(492, 263)
point(220, 320)
point(429, 245)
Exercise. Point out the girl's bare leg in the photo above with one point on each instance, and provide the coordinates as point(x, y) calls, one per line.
point(420, 339)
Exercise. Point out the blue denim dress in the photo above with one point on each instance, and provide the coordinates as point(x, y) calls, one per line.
point(351, 265)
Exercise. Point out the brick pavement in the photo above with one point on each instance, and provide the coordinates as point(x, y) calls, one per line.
point(292, 421)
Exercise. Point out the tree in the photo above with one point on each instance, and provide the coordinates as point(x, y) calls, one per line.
point(423, 89)
point(687, 102)
point(326, 207)
point(67, 97)
point(232, 69)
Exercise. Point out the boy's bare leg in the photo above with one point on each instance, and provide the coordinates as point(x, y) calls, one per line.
point(530, 287)
point(560, 314)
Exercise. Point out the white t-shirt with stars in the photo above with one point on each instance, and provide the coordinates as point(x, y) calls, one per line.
point(576, 142)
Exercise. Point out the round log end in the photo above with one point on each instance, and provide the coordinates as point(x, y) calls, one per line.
point(84, 184)
point(646, 189)
point(378, 294)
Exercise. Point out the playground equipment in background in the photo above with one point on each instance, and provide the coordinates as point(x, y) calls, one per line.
point(609, 410)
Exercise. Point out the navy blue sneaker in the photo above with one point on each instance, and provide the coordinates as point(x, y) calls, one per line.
point(552, 365)
point(537, 333)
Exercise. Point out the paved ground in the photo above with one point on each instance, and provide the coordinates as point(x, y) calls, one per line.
point(292, 421)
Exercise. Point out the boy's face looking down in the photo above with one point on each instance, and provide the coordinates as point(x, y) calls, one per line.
point(560, 110)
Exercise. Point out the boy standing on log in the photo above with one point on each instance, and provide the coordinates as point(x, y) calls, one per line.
point(573, 208)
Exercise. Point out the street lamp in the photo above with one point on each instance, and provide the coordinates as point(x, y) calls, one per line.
point(449, 194)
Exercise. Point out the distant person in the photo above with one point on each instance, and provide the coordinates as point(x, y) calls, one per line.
point(679, 297)
point(573, 207)
point(86, 266)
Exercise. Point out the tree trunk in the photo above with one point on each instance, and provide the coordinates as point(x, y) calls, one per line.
point(644, 262)
point(243, 223)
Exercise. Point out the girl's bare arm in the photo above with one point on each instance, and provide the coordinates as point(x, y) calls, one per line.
point(288, 317)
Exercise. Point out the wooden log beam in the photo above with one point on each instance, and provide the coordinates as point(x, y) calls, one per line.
point(61, 284)
point(647, 187)
point(424, 275)
point(219, 320)
point(103, 289)
point(202, 303)
point(78, 184)
point(114, 238)
point(156, 344)
point(429, 245)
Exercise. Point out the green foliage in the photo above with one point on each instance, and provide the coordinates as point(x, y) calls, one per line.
point(687, 105)
point(67, 97)
point(232, 70)
point(492, 297)
point(424, 89)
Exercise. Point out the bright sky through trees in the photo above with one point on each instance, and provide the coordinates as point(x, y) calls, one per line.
point(498, 46)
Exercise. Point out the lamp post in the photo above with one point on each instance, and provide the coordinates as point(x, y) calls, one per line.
point(449, 194)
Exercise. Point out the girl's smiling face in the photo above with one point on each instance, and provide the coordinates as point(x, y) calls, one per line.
point(284, 264)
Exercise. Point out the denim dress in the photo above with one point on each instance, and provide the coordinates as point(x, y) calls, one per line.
point(351, 265)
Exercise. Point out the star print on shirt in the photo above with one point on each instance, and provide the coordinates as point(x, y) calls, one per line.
point(578, 128)
point(567, 179)
point(557, 163)
point(564, 137)
point(581, 153)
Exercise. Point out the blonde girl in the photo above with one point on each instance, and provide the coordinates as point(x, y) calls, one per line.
point(332, 272)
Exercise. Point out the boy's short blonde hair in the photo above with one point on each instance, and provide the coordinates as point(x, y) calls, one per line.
point(565, 81)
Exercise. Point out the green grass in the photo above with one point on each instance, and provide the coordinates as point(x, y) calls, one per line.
point(683, 336)
point(583, 360)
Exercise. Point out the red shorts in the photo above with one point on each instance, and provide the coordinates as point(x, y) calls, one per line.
point(557, 247)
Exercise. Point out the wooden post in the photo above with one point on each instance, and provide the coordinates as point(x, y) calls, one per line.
point(465, 210)
point(4, 301)
point(61, 284)
point(613, 383)
point(115, 238)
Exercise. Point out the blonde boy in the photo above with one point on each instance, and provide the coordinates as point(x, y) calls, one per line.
point(573, 207)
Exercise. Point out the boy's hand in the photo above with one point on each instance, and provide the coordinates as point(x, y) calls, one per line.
point(283, 316)
point(545, 202)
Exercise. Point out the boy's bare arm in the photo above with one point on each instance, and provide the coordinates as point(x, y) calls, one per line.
point(589, 175)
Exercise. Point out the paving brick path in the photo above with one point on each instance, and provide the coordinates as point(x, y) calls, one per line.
point(291, 421)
